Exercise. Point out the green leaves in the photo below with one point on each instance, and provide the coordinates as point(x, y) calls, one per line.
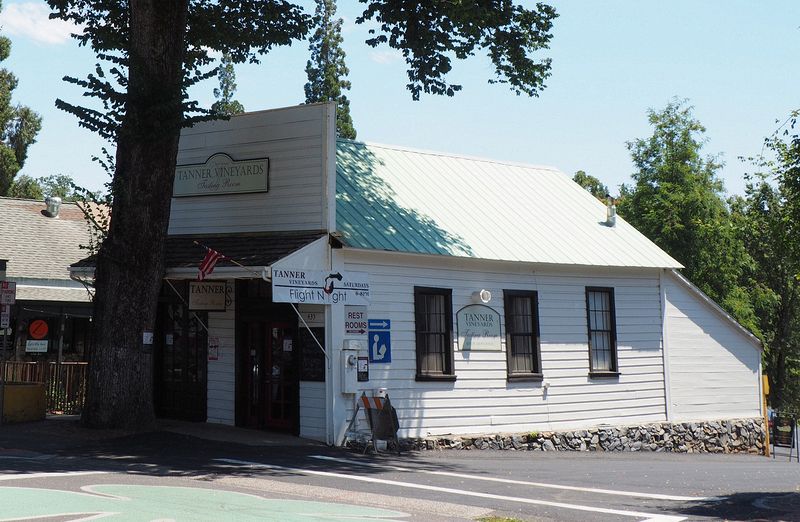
point(677, 201)
point(429, 33)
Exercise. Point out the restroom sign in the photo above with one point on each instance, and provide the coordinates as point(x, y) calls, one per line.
point(379, 340)
point(355, 321)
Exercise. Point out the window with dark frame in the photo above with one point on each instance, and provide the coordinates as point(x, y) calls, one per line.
point(522, 334)
point(433, 323)
point(602, 331)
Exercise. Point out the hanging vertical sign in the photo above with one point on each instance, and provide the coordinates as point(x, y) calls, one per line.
point(8, 292)
point(380, 340)
point(355, 321)
point(5, 316)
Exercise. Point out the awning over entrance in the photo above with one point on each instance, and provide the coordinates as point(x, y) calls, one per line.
point(183, 253)
point(255, 250)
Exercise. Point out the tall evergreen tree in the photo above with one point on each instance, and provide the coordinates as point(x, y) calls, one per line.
point(225, 104)
point(326, 70)
point(677, 202)
point(154, 50)
point(19, 125)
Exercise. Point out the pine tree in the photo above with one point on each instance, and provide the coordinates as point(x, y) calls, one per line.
point(19, 125)
point(225, 104)
point(326, 69)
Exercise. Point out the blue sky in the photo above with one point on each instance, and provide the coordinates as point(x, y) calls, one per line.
point(736, 61)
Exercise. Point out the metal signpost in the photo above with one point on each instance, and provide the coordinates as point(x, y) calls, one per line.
point(8, 294)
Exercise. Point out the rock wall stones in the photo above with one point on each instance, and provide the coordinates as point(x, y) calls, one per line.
point(728, 436)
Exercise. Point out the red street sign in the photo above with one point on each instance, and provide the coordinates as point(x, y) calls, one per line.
point(38, 329)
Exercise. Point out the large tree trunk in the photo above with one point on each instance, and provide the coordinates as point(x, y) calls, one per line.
point(131, 261)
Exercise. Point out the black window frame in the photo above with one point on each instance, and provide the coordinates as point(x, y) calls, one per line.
point(448, 364)
point(536, 356)
point(613, 371)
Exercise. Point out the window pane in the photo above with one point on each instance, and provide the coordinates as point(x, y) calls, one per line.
point(522, 345)
point(432, 324)
point(601, 330)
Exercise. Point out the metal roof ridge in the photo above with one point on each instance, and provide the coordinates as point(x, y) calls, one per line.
point(452, 155)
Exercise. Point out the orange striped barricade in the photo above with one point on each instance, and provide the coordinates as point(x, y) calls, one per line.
point(382, 419)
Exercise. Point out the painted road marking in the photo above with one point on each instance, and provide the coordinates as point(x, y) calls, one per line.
point(644, 517)
point(19, 476)
point(139, 502)
point(652, 496)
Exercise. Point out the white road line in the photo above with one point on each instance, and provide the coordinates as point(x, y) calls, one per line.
point(645, 517)
point(20, 476)
point(653, 496)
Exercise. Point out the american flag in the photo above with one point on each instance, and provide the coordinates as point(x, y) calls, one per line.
point(208, 263)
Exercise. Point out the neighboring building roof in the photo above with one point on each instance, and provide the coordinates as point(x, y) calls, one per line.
point(396, 199)
point(40, 247)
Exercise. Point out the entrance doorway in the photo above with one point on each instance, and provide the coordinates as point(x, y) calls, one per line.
point(180, 362)
point(270, 375)
point(268, 370)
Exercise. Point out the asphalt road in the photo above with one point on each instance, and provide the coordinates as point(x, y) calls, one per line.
point(165, 475)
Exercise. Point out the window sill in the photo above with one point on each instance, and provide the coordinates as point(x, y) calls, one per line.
point(440, 377)
point(603, 375)
point(525, 377)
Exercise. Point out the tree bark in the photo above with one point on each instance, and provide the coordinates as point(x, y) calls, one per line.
point(130, 265)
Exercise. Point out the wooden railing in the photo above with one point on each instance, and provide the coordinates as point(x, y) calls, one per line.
point(65, 384)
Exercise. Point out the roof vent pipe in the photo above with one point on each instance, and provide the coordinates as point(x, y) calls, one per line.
point(611, 212)
point(53, 204)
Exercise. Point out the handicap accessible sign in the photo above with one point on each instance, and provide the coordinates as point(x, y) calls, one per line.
point(380, 340)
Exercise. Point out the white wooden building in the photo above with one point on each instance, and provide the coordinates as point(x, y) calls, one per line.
point(577, 322)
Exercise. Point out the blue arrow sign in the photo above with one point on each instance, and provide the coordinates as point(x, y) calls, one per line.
point(380, 324)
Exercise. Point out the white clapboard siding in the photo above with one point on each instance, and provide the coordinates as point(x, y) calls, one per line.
point(481, 400)
point(294, 140)
point(713, 365)
point(222, 372)
point(312, 410)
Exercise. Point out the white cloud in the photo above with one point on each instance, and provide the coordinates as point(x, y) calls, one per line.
point(384, 57)
point(30, 20)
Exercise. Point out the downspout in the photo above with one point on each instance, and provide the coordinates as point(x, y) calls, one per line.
point(665, 347)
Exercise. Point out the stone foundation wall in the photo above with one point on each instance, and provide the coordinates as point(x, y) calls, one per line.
point(728, 436)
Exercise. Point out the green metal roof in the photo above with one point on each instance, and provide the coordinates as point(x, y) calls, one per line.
point(401, 200)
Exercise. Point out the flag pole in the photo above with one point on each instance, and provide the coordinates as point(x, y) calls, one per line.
point(226, 258)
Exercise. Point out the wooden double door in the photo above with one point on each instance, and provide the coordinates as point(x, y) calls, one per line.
point(180, 362)
point(269, 374)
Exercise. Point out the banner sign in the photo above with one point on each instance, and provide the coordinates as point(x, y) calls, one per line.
point(479, 329)
point(207, 296)
point(221, 174)
point(315, 287)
